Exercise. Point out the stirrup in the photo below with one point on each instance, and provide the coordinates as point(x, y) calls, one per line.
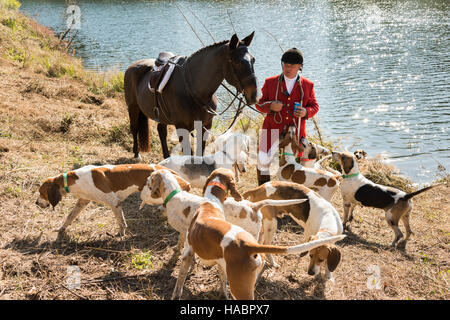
point(156, 114)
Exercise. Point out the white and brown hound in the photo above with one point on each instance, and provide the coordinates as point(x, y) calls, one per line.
point(216, 241)
point(196, 169)
point(317, 216)
point(357, 189)
point(311, 153)
point(324, 182)
point(108, 185)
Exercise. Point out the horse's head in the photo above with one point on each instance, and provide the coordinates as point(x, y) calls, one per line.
point(239, 72)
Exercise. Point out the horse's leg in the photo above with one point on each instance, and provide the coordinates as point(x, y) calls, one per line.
point(162, 131)
point(205, 136)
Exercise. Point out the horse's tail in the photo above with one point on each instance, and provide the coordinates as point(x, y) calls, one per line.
point(139, 129)
point(143, 132)
point(138, 120)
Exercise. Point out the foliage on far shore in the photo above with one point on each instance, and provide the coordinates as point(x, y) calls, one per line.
point(32, 46)
point(10, 4)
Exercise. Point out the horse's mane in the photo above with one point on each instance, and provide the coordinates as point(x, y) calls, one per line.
point(208, 47)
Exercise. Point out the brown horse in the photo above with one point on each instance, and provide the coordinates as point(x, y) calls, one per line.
point(189, 94)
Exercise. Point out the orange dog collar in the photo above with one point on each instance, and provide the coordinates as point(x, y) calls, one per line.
point(217, 184)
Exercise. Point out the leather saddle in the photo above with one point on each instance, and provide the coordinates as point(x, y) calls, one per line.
point(160, 69)
point(163, 58)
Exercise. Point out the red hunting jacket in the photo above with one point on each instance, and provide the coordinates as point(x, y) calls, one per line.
point(271, 120)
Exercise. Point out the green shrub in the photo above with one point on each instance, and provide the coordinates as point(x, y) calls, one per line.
point(10, 4)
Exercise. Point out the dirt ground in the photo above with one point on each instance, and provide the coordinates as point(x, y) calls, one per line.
point(50, 125)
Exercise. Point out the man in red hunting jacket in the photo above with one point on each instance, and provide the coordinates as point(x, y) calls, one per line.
point(279, 93)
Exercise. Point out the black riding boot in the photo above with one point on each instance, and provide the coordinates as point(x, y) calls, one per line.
point(262, 178)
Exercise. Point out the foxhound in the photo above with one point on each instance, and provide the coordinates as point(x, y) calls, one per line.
point(311, 153)
point(317, 216)
point(357, 189)
point(216, 241)
point(324, 182)
point(108, 185)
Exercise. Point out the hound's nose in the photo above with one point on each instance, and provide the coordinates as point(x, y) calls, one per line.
point(311, 272)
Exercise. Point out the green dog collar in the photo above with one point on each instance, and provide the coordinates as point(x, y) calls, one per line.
point(170, 196)
point(349, 175)
point(66, 185)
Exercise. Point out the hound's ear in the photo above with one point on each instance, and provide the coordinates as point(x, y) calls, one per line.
point(296, 145)
point(54, 195)
point(155, 186)
point(347, 163)
point(248, 39)
point(234, 42)
point(185, 186)
point(233, 191)
point(334, 257)
point(284, 141)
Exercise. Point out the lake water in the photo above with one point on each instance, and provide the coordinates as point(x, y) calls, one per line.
point(380, 68)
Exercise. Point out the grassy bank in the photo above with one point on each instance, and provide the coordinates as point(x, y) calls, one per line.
point(36, 48)
point(53, 121)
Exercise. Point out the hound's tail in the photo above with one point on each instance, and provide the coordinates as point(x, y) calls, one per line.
point(275, 203)
point(412, 194)
point(318, 165)
point(304, 247)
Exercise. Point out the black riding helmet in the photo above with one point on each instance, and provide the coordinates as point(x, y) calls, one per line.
point(292, 56)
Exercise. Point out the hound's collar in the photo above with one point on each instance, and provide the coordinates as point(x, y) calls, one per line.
point(170, 196)
point(66, 184)
point(218, 184)
point(350, 175)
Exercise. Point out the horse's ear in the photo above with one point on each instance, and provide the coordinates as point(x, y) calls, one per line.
point(234, 42)
point(247, 40)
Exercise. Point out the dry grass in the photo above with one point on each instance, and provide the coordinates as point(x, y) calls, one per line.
point(52, 124)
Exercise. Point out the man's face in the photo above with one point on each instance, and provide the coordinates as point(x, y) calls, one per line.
point(290, 70)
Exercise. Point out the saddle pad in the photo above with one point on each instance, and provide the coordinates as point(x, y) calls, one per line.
point(167, 75)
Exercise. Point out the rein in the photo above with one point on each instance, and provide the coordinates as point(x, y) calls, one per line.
point(280, 78)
